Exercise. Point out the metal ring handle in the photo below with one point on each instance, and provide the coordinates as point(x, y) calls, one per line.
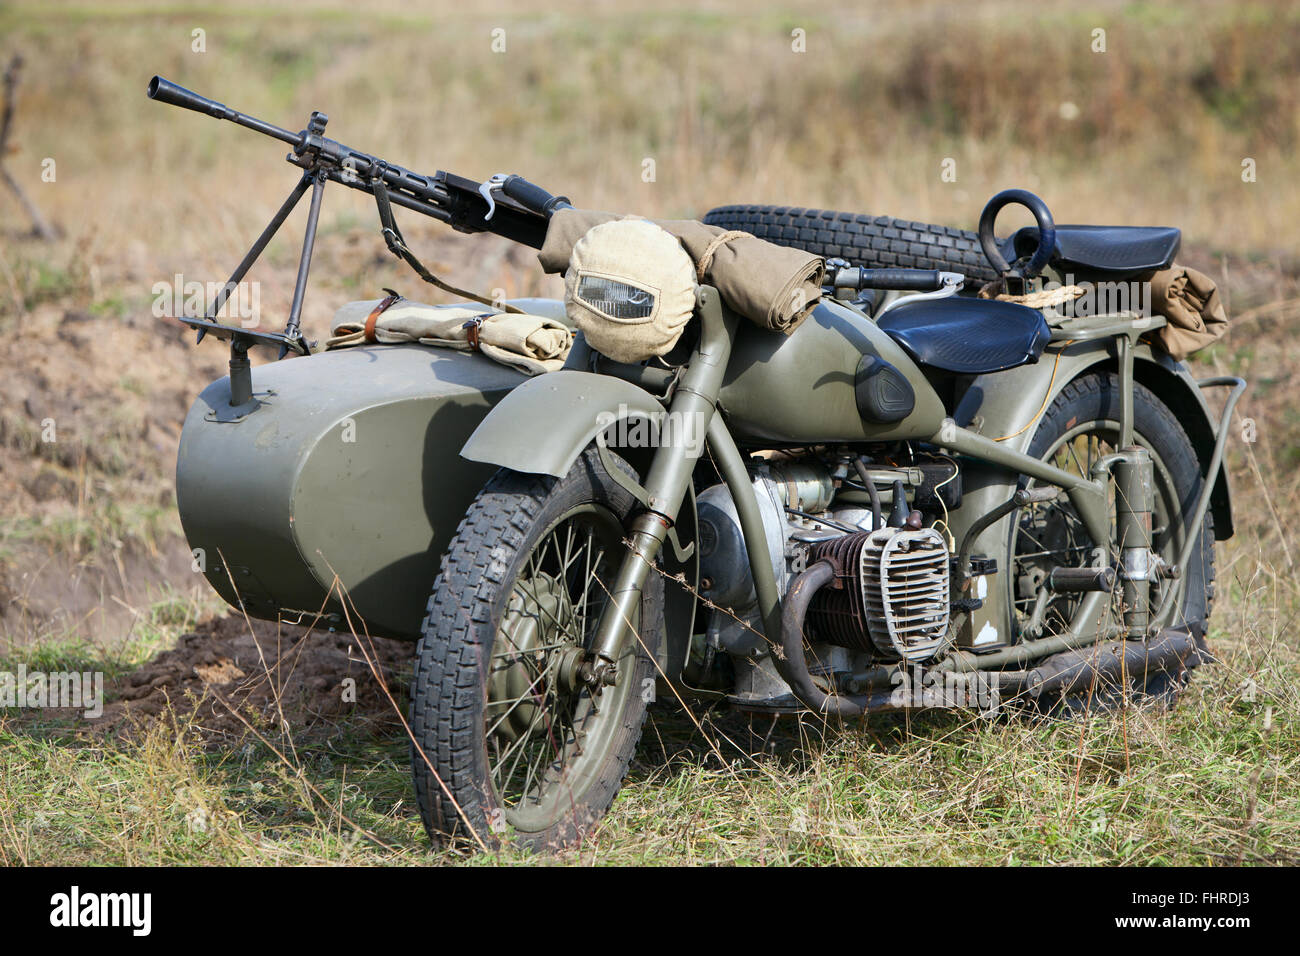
point(1046, 232)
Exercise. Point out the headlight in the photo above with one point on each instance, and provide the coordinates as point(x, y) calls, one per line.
point(618, 300)
point(629, 289)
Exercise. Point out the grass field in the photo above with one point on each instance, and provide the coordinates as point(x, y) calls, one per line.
point(885, 98)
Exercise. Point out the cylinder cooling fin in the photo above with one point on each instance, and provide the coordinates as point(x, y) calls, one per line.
point(839, 612)
point(889, 595)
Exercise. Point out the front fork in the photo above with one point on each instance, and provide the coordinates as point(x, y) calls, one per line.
point(690, 417)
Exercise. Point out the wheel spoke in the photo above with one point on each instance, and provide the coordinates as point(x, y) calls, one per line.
point(535, 764)
point(522, 746)
point(1059, 536)
point(517, 701)
point(533, 736)
point(1070, 447)
point(537, 602)
point(519, 654)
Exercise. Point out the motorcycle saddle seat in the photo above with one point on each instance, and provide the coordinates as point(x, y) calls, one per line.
point(1109, 252)
point(967, 336)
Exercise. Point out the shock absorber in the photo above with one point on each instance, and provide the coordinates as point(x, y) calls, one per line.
point(1134, 498)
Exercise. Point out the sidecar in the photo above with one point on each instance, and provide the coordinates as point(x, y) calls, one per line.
point(343, 483)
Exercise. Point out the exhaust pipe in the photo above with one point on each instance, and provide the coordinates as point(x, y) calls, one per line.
point(790, 663)
point(1065, 673)
point(1106, 664)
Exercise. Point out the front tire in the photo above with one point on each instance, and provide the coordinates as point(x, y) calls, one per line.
point(510, 742)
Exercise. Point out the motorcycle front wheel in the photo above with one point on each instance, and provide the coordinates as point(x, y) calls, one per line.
point(510, 742)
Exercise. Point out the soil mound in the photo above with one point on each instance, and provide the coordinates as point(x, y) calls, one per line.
point(227, 675)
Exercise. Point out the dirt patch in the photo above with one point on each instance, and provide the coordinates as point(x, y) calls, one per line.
point(224, 671)
point(101, 592)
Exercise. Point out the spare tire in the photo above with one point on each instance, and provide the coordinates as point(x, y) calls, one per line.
point(873, 242)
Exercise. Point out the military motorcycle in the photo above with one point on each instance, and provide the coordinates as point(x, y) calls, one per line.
point(916, 496)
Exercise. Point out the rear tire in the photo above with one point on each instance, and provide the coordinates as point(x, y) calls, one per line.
point(510, 743)
point(873, 242)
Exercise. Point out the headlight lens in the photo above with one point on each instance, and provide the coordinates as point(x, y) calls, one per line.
point(618, 300)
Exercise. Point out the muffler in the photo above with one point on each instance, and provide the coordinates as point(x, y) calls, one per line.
point(1102, 665)
point(1108, 663)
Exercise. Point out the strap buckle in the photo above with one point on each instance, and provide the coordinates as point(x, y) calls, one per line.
point(471, 329)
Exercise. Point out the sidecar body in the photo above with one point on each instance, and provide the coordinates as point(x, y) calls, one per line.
point(337, 492)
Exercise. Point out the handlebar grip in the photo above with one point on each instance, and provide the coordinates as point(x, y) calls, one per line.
point(921, 280)
point(532, 197)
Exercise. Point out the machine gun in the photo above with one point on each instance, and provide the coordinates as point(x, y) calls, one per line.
point(506, 205)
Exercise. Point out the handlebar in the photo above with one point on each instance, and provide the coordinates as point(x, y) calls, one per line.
point(922, 280)
point(902, 280)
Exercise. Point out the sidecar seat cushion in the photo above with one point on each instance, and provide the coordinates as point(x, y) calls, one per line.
point(1108, 252)
point(968, 336)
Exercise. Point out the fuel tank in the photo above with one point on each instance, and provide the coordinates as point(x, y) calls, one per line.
point(346, 463)
point(836, 378)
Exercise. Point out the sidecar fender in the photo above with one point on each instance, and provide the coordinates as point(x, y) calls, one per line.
point(542, 426)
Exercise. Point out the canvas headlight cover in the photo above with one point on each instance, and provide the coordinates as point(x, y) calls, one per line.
point(630, 289)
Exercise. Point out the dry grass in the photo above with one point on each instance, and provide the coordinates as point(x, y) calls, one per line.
point(715, 96)
point(1213, 782)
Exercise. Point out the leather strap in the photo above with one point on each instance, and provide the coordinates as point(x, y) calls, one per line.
point(397, 245)
point(472, 328)
point(384, 305)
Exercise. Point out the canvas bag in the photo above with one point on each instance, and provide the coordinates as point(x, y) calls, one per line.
point(1190, 301)
point(775, 287)
point(530, 343)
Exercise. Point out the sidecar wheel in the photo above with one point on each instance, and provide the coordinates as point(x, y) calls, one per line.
point(510, 743)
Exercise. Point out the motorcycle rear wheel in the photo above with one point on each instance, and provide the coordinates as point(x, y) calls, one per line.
point(1081, 425)
point(511, 743)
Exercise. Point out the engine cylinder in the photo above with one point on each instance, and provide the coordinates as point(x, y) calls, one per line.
point(838, 612)
point(889, 596)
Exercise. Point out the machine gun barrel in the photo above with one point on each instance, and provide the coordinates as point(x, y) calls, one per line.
point(165, 91)
point(443, 196)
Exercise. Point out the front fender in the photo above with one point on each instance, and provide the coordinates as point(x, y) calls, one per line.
point(543, 425)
